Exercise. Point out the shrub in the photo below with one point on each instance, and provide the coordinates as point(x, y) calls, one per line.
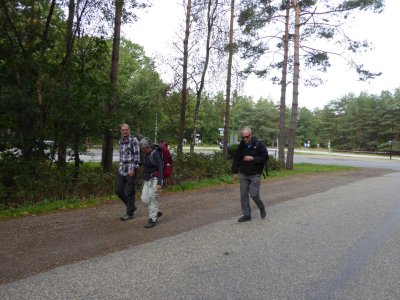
point(273, 164)
point(232, 150)
point(24, 183)
point(198, 166)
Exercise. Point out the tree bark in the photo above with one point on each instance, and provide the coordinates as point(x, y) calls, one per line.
point(184, 91)
point(62, 146)
point(296, 76)
point(108, 145)
point(39, 88)
point(282, 107)
point(228, 82)
point(210, 24)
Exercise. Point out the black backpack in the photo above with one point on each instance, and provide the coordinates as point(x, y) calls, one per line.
point(166, 159)
point(265, 169)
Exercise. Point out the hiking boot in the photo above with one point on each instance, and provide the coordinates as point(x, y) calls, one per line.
point(263, 213)
point(126, 217)
point(244, 219)
point(150, 224)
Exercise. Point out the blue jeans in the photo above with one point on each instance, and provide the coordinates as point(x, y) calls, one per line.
point(125, 189)
point(250, 186)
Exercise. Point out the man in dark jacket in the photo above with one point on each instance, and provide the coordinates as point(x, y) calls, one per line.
point(249, 161)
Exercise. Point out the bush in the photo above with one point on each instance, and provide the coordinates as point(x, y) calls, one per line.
point(232, 150)
point(22, 182)
point(198, 166)
point(274, 164)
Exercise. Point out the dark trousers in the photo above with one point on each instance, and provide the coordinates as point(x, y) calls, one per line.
point(125, 189)
point(250, 187)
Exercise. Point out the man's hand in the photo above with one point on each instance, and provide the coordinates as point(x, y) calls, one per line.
point(158, 187)
point(248, 158)
point(132, 172)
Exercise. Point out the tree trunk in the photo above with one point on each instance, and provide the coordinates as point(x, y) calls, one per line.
point(296, 76)
point(184, 91)
point(39, 89)
point(282, 108)
point(228, 82)
point(61, 154)
point(62, 146)
point(108, 145)
point(210, 24)
point(77, 161)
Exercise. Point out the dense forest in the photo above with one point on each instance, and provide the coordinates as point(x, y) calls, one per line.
point(68, 79)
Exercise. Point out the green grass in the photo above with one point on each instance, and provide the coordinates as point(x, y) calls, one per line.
point(194, 185)
point(299, 169)
point(305, 168)
point(47, 205)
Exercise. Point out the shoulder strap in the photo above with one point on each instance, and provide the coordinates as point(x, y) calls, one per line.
point(151, 156)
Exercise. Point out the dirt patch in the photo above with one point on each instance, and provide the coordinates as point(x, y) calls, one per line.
point(35, 244)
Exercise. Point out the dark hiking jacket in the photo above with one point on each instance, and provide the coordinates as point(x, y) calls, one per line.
point(256, 149)
point(151, 165)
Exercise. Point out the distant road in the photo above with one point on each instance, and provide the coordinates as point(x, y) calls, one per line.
point(363, 161)
point(95, 154)
point(301, 156)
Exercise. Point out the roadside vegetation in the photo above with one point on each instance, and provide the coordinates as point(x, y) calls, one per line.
point(61, 90)
point(93, 187)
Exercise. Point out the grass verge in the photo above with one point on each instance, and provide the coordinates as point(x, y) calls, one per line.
point(305, 169)
point(48, 205)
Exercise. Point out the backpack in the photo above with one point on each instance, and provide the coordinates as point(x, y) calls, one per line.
point(166, 159)
point(265, 169)
point(141, 154)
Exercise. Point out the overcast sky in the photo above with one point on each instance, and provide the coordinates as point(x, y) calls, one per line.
point(157, 28)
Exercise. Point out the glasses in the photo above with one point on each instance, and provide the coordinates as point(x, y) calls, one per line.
point(245, 137)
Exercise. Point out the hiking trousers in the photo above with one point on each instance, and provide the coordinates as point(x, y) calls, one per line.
point(250, 187)
point(125, 189)
point(149, 197)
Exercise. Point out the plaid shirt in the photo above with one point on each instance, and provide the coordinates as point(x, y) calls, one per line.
point(129, 155)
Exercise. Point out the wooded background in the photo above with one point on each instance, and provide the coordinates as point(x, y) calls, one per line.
point(68, 79)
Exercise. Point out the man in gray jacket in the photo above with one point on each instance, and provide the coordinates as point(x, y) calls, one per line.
point(152, 180)
point(249, 161)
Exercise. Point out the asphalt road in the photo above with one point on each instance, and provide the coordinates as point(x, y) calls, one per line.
point(363, 161)
point(338, 244)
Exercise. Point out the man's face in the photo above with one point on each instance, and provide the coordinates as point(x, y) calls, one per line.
point(124, 131)
point(246, 136)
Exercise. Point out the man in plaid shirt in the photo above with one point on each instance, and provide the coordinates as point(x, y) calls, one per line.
point(129, 155)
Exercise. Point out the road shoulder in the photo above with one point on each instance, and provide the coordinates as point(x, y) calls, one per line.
point(35, 244)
